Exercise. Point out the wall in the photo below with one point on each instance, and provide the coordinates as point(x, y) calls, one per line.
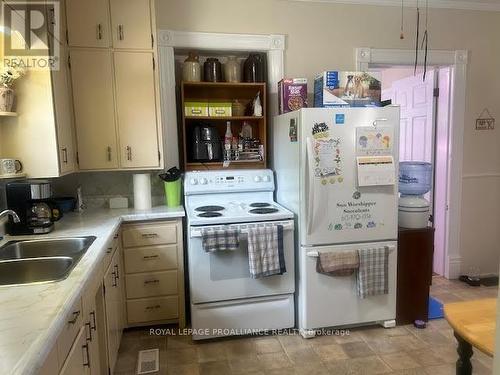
point(322, 36)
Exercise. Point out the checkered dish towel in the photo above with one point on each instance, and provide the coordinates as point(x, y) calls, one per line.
point(220, 239)
point(265, 251)
point(373, 272)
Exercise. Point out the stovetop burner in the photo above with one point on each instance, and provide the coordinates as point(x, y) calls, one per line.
point(209, 209)
point(264, 210)
point(260, 204)
point(210, 214)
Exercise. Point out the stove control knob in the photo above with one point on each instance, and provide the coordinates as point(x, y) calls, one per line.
point(203, 181)
point(266, 178)
point(257, 179)
point(193, 181)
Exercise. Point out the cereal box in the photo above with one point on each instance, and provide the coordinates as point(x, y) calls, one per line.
point(292, 94)
point(347, 89)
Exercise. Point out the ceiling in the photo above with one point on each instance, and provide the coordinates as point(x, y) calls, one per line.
point(486, 5)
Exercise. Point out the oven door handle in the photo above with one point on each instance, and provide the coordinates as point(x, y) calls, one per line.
point(243, 228)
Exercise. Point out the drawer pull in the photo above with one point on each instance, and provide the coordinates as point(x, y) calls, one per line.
point(76, 314)
point(117, 271)
point(87, 363)
point(149, 235)
point(94, 324)
point(153, 307)
point(114, 283)
point(115, 236)
point(151, 256)
point(108, 250)
point(154, 281)
point(90, 331)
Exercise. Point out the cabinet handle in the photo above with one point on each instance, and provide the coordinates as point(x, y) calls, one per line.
point(149, 235)
point(86, 347)
point(120, 32)
point(65, 155)
point(90, 331)
point(115, 236)
point(76, 314)
point(117, 271)
point(108, 153)
point(153, 307)
point(129, 153)
point(155, 281)
point(94, 323)
point(109, 250)
point(146, 257)
point(114, 283)
point(99, 31)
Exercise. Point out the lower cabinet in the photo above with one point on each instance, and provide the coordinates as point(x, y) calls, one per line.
point(78, 360)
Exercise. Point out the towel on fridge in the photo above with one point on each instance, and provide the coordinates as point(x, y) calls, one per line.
point(373, 272)
point(265, 251)
point(214, 239)
point(339, 263)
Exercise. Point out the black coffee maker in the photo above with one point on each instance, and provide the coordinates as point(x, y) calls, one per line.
point(31, 200)
point(205, 144)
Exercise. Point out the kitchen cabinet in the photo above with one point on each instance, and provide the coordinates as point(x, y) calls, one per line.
point(89, 23)
point(131, 24)
point(92, 73)
point(92, 325)
point(77, 362)
point(51, 365)
point(136, 109)
point(154, 272)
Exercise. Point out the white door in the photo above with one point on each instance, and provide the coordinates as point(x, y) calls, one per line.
point(332, 301)
point(334, 209)
point(416, 100)
point(225, 275)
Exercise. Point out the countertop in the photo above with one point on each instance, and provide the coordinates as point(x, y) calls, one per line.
point(32, 316)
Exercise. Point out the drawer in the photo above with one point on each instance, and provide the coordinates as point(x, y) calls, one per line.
point(73, 323)
point(151, 284)
point(155, 258)
point(152, 309)
point(150, 234)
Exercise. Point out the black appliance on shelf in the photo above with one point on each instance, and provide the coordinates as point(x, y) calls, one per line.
point(206, 144)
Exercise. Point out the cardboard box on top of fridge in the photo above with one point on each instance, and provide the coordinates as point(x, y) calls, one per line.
point(334, 88)
point(292, 94)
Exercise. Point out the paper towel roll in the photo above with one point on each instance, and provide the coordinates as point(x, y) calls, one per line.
point(142, 191)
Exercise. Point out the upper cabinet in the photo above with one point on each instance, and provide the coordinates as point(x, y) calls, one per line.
point(131, 24)
point(115, 84)
point(88, 22)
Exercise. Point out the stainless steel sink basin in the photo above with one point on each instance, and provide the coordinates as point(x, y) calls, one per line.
point(24, 271)
point(33, 261)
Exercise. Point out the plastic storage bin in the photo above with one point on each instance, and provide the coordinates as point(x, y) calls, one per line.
point(415, 177)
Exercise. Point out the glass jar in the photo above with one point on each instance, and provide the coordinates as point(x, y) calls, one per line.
point(232, 70)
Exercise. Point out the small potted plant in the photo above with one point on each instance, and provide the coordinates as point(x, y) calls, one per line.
point(8, 75)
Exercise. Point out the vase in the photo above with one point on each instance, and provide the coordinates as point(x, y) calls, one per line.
point(212, 70)
point(232, 70)
point(253, 68)
point(6, 99)
point(191, 71)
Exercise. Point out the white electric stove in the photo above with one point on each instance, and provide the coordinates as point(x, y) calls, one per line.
point(225, 300)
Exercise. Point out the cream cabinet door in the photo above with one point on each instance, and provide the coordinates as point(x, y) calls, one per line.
point(88, 23)
point(131, 24)
point(92, 329)
point(112, 305)
point(92, 78)
point(63, 111)
point(77, 362)
point(136, 109)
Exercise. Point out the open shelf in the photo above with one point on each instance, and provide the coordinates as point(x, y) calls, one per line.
point(8, 114)
point(225, 118)
point(11, 176)
point(236, 164)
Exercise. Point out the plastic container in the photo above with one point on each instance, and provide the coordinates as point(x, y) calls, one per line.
point(415, 177)
point(413, 212)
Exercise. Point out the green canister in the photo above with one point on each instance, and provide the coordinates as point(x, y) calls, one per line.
point(173, 186)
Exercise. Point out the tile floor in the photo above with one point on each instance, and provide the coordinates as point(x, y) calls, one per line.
point(371, 350)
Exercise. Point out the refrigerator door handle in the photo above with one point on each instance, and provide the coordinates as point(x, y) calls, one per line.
point(310, 190)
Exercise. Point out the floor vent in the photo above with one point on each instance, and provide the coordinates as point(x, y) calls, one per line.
point(148, 361)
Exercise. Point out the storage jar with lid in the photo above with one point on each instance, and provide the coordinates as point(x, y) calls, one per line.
point(232, 70)
point(253, 69)
point(191, 70)
point(413, 212)
point(212, 70)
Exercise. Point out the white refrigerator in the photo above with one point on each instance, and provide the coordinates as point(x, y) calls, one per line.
point(336, 169)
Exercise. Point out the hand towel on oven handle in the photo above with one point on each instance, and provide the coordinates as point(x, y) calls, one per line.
point(341, 263)
point(217, 239)
point(265, 250)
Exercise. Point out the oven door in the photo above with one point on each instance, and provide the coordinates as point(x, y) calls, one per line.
point(225, 275)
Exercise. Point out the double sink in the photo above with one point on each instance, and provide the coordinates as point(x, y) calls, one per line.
point(35, 261)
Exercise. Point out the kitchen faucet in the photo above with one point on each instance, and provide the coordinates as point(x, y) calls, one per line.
point(11, 213)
